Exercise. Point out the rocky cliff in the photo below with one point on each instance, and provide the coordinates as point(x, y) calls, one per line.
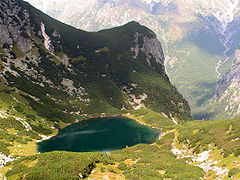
point(227, 90)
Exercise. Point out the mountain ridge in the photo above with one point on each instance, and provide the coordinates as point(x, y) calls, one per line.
point(194, 34)
point(53, 74)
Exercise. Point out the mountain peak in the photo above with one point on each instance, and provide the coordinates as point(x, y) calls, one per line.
point(43, 52)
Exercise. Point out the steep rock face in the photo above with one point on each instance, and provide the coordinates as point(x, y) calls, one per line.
point(233, 36)
point(151, 47)
point(67, 74)
point(227, 90)
point(15, 28)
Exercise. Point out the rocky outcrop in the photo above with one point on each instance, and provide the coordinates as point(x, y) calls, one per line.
point(15, 27)
point(5, 159)
point(151, 46)
point(227, 89)
point(47, 40)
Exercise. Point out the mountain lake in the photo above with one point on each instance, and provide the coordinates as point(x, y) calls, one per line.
point(100, 135)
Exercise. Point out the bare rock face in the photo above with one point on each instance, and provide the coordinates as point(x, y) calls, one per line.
point(5, 35)
point(15, 28)
point(227, 90)
point(152, 47)
point(24, 44)
point(47, 41)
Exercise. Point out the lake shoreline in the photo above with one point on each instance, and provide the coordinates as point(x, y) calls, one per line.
point(88, 118)
point(106, 116)
point(140, 122)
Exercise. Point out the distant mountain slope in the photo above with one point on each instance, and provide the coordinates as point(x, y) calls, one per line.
point(226, 96)
point(199, 38)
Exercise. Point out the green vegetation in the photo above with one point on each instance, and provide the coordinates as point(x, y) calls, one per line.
point(56, 165)
point(166, 141)
point(233, 172)
point(123, 167)
point(3, 148)
point(160, 163)
point(197, 87)
point(152, 119)
point(224, 134)
point(17, 51)
point(105, 49)
point(154, 87)
point(19, 123)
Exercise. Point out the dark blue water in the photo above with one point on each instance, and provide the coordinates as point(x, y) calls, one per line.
point(100, 135)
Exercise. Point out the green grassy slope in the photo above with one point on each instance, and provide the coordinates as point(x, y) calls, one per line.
point(132, 163)
point(219, 140)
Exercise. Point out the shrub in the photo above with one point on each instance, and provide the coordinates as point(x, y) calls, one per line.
point(18, 108)
point(111, 169)
point(27, 58)
point(102, 169)
point(3, 148)
point(233, 171)
point(6, 46)
point(122, 166)
point(166, 141)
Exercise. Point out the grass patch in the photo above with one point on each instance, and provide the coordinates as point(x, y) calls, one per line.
point(222, 133)
point(152, 119)
point(56, 165)
point(151, 165)
point(17, 50)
